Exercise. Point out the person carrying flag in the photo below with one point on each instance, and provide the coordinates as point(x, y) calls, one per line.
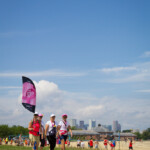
point(34, 128)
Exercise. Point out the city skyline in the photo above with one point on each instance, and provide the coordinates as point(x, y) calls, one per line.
point(115, 126)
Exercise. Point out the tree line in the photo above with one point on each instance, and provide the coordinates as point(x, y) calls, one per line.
point(6, 131)
point(145, 135)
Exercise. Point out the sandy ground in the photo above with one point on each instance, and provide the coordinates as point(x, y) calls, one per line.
point(145, 145)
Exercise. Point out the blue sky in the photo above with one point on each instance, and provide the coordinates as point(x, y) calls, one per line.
point(94, 50)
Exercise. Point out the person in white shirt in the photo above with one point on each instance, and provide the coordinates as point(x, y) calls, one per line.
point(62, 129)
point(82, 144)
point(50, 131)
point(42, 140)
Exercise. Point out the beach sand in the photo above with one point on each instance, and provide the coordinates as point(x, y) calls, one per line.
point(145, 145)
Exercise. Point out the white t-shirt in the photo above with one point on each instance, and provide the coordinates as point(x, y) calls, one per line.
point(63, 126)
point(82, 144)
point(42, 126)
point(51, 124)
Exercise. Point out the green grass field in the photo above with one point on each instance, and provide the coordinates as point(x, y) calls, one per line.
point(7, 147)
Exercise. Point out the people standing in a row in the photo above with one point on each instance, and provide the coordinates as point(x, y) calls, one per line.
point(52, 129)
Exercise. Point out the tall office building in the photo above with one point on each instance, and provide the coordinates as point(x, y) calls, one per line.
point(81, 124)
point(86, 126)
point(73, 122)
point(92, 124)
point(119, 127)
point(116, 126)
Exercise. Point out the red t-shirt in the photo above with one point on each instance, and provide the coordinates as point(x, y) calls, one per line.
point(111, 144)
point(91, 142)
point(36, 128)
point(105, 142)
point(130, 144)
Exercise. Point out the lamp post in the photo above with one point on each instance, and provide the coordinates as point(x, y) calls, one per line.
point(119, 140)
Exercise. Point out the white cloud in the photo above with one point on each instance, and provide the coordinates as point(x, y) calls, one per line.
point(10, 87)
point(146, 54)
point(139, 72)
point(139, 77)
point(54, 73)
point(144, 91)
point(118, 69)
point(51, 99)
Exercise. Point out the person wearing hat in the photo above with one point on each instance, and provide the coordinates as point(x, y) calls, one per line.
point(42, 140)
point(34, 128)
point(62, 129)
point(50, 131)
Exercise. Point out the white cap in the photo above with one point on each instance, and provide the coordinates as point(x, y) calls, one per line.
point(36, 113)
point(52, 115)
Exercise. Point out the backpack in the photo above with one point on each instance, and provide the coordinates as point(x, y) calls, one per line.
point(53, 131)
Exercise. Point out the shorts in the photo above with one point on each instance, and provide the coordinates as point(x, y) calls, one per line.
point(96, 146)
point(91, 146)
point(34, 138)
point(78, 145)
point(105, 146)
point(130, 148)
point(63, 137)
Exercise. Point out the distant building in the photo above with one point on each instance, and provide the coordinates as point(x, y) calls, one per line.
point(116, 126)
point(100, 133)
point(86, 126)
point(109, 127)
point(92, 124)
point(73, 122)
point(81, 124)
point(119, 127)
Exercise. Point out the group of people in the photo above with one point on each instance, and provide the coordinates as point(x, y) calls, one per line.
point(92, 144)
point(38, 132)
point(5, 140)
point(113, 144)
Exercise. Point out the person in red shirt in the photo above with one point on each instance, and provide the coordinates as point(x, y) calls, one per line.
point(105, 143)
point(91, 143)
point(112, 145)
point(130, 145)
point(34, 128)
